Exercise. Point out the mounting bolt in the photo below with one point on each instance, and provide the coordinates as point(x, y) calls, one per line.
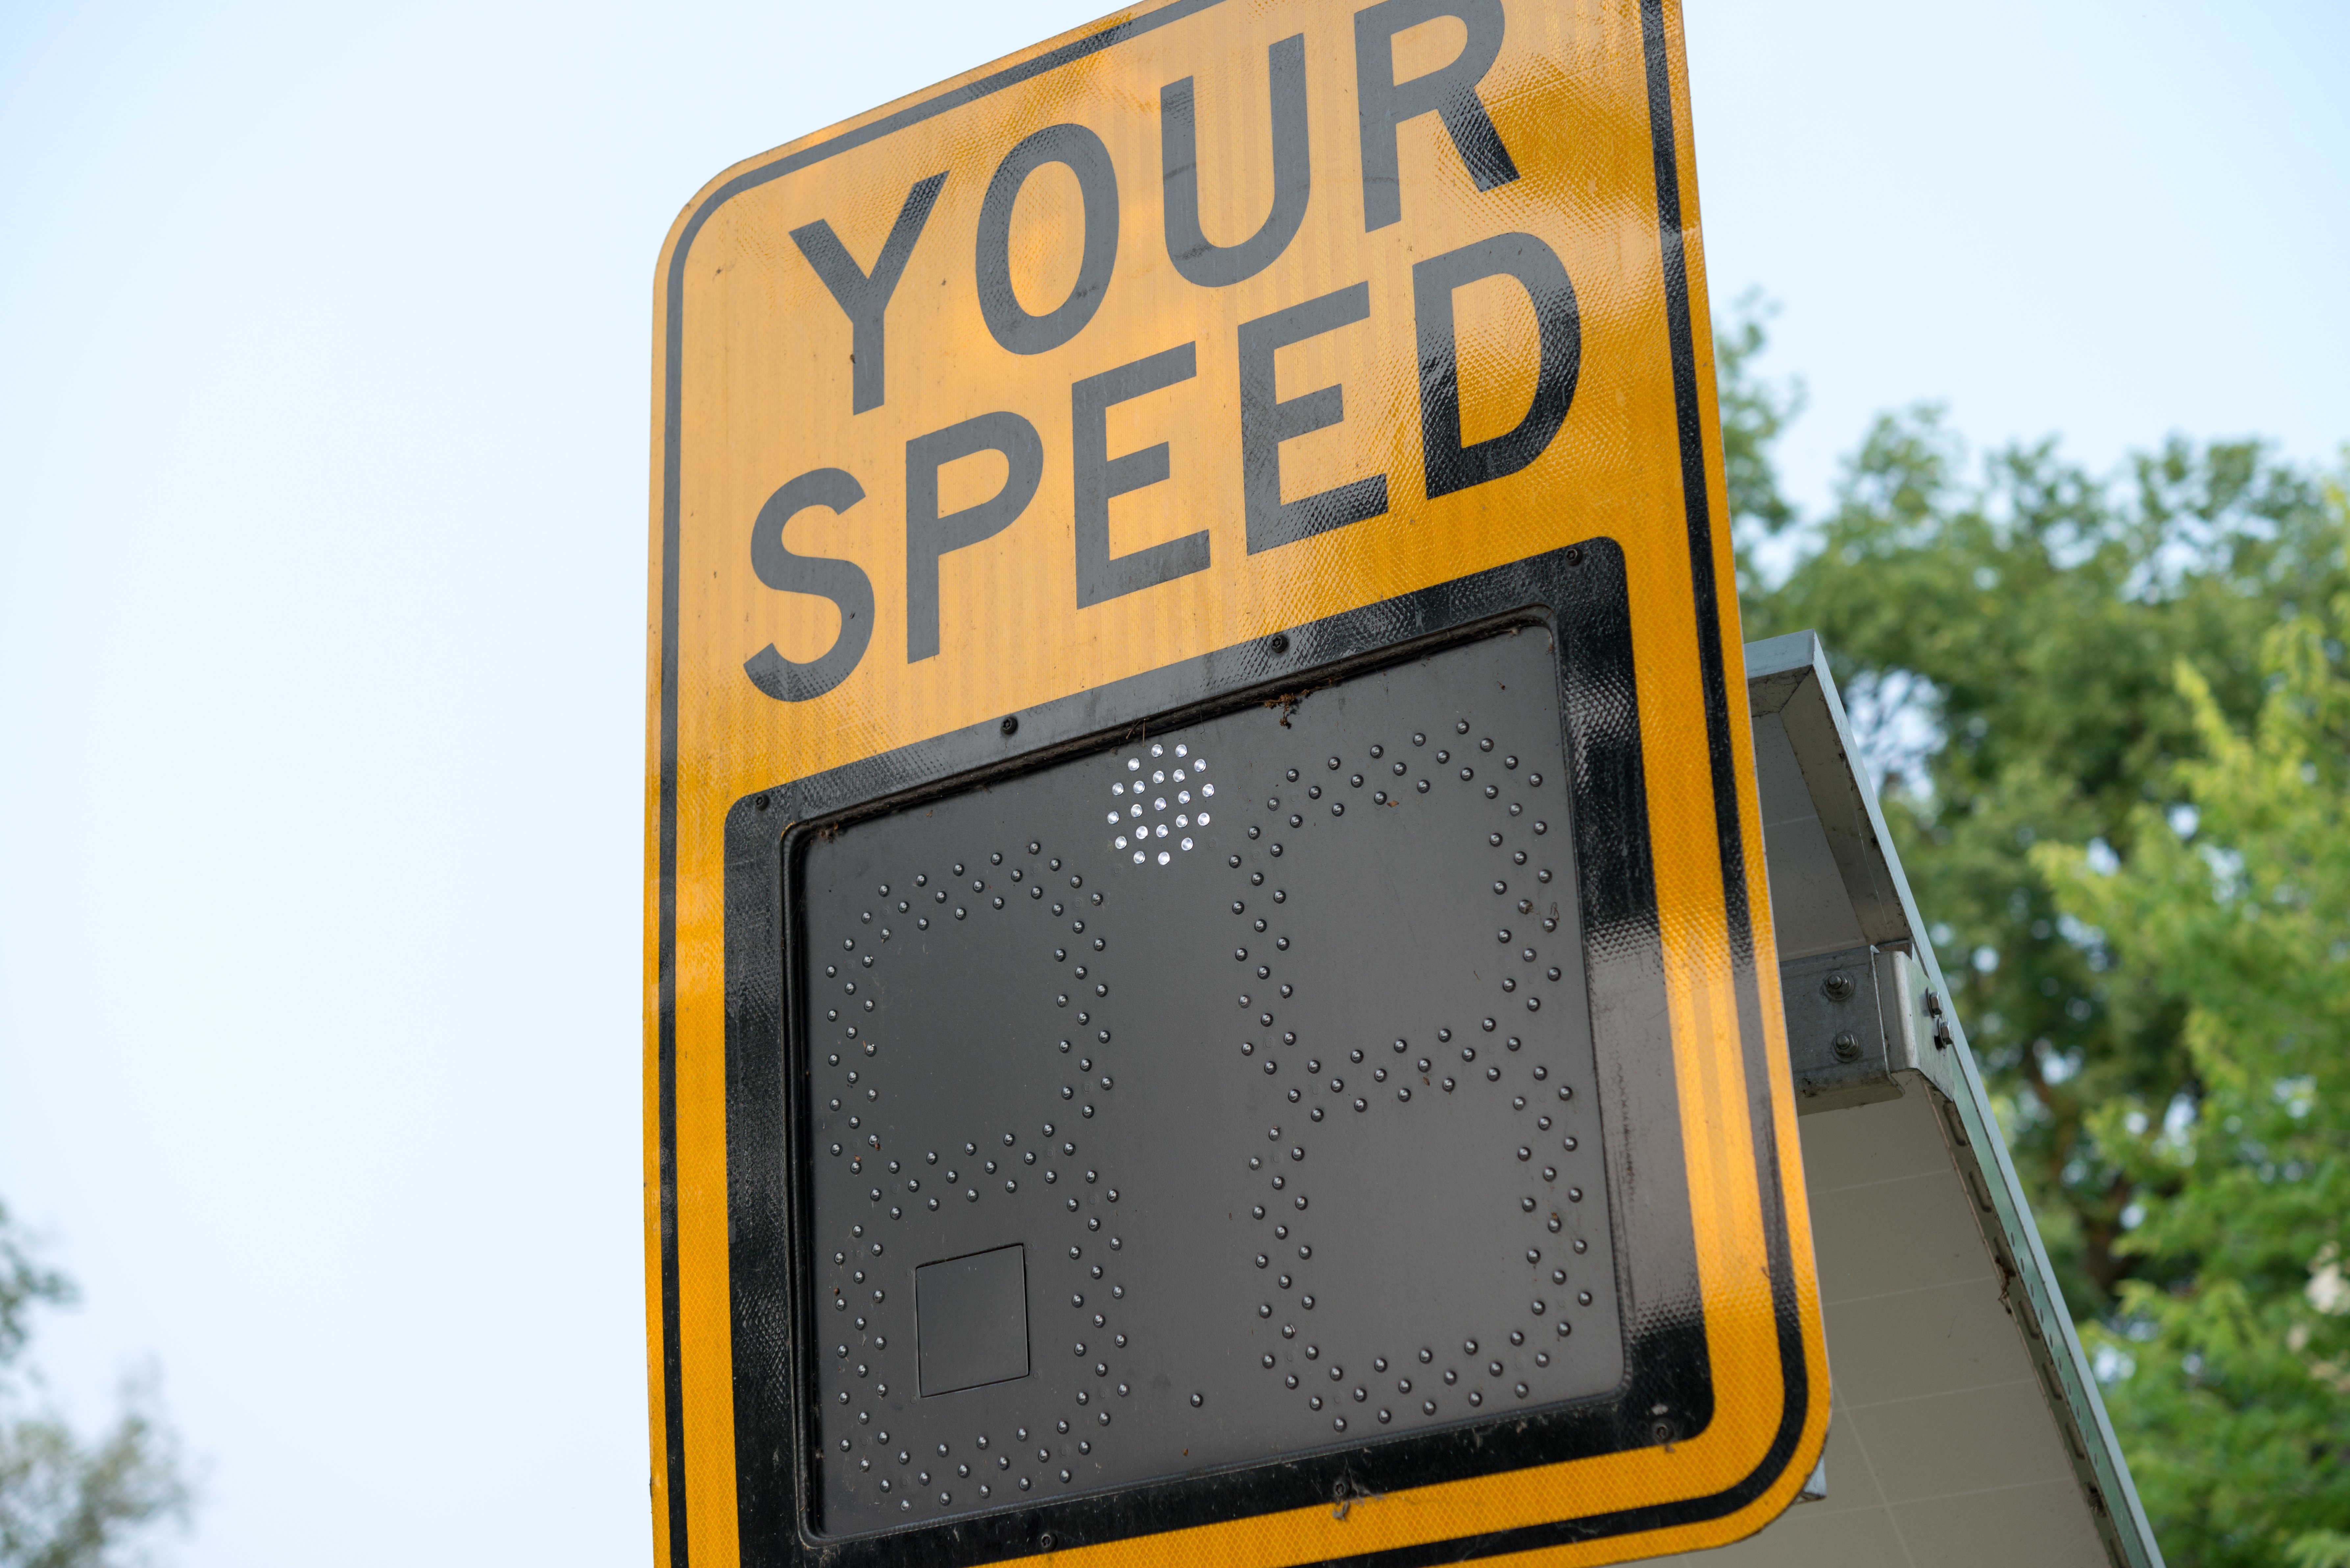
point(1011, 724)
point(1934, 1004)
point(1279, 642)
point(1846, 1046)
point(1837, 987)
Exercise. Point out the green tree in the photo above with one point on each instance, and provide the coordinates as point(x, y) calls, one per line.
point(64, 1502)
point(2005, 634)
point(1755, 412)
point(2228, 917)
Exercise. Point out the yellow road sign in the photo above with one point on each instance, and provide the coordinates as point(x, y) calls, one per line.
point(1222, 503)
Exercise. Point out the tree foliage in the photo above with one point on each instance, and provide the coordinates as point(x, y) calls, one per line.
point(2112, 722)
point(2231, 917)
point(1754, 411)
point(2005, 634)
point(66, 1502)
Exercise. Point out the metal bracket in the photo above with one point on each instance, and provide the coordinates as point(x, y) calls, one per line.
point(1856, 1020)
point(1837, 1042)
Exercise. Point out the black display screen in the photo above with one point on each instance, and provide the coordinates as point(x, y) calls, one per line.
point(1215, 1098)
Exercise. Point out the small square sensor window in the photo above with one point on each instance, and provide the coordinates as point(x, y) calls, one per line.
point(971, 1320)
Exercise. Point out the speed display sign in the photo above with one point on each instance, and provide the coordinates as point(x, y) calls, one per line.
point(1209, 985)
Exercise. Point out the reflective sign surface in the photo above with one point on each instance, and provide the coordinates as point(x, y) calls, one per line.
point(1218, 355)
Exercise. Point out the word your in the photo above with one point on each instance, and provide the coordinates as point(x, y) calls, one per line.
point(1266, 419)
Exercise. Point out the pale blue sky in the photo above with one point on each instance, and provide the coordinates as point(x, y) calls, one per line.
point(323, 399)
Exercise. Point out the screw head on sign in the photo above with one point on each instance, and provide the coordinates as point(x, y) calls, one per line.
point(1837, 987)
point(1279, 642)
point(1846, 1047)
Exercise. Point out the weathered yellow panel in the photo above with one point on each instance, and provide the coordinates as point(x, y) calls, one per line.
point(802, 624)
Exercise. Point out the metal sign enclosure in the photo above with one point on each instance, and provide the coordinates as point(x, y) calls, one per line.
point(1223, 504)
